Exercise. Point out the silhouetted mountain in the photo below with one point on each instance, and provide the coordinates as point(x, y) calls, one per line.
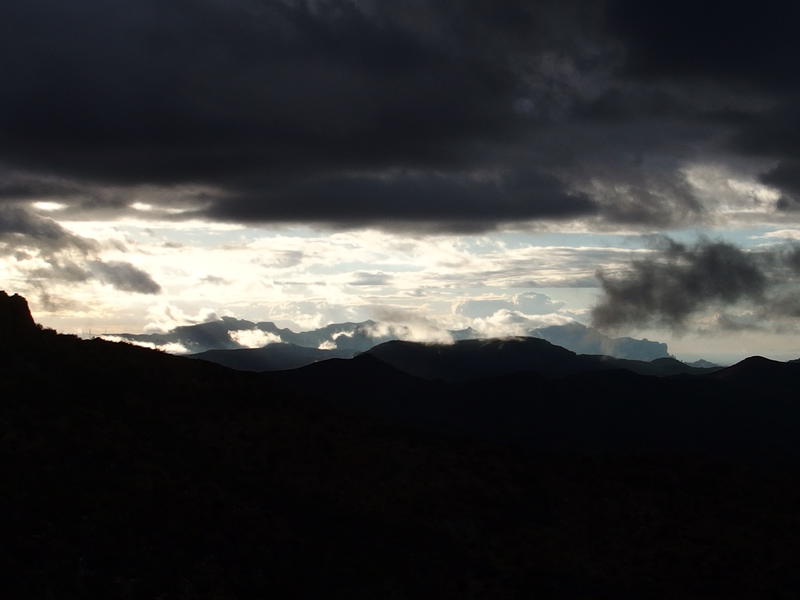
point(660, 367)
point(586, 340)
point(704, 364)
point(351, 337)
point(131, 473)
point(476, 359)
point(273, 357)
point(216, 335)
point(15, 317)
point(203, 336)
point(760, 372)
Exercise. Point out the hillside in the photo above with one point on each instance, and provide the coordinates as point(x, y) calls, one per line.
point(476, 359)
point(131, 473)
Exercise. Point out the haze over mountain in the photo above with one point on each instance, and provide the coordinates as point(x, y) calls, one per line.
point(348, 339)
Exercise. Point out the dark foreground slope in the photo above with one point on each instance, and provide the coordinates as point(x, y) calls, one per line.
point(128, 473)
point(544, 398)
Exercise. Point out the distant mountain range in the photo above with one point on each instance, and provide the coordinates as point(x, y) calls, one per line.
point(272, 357)
point(209, 340)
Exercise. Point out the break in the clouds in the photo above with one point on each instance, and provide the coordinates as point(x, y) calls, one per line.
point(682, 282)
point(423, 115)
point(531, 303)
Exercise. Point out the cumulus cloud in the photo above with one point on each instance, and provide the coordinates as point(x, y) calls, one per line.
point(407, 325)
point(254, 338)
point(510, 323)
point(681, 282)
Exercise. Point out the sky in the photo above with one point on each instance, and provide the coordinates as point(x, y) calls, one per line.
point(496, 164)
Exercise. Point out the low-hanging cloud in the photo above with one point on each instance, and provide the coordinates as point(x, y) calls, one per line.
point(682, 281)
point(254, 338)
point(406, 325)
point(510, 323)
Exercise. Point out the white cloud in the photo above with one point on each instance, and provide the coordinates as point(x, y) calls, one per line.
point(171, 348)
point(508, 323)
point(783, 234)
point(163, 317)
point(408, 326)
point(254, 338)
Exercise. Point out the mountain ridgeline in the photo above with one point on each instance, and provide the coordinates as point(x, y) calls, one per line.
point(508, 468)
point(348, 339)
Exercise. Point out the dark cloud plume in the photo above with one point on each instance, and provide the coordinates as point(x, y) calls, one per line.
point(680, 282)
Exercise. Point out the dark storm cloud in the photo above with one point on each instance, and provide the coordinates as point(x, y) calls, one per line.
point(14, 188)
point(681, 281)
point(736, 61)
point(459, 201)
point(706, 41)
point(356, 112)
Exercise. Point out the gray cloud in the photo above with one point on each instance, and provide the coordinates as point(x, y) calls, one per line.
point(214, 280)
point(20, 228)
point(368, 279)
point(70, 258)
point(680, 282)
point(125, 277)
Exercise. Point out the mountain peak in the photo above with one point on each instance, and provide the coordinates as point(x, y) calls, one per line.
point(15, 316)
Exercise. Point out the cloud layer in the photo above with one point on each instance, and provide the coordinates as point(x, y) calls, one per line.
point(429, 116)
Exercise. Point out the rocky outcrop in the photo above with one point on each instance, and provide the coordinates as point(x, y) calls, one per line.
point(15, 317)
